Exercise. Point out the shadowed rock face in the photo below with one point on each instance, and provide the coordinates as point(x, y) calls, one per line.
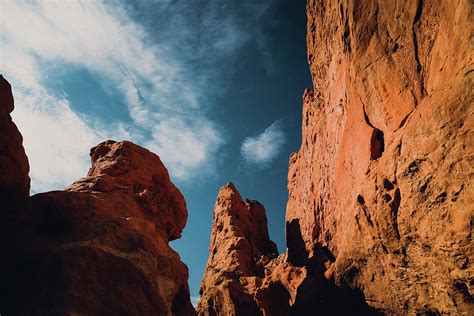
point(14, 184)
point(14, 180)
point(379, 215)
point(100, 247)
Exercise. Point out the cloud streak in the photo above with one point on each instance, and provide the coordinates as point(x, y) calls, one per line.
point(160, 99)
point(163, 70)
point(265, 147)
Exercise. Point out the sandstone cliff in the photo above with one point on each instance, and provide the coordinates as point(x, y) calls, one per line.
point(382, 179)
point(101, 246)
point(379, 215)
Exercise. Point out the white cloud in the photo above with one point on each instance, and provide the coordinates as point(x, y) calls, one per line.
point(263, 148)
point(56, 139)
point(104, 40)
point(187, 150)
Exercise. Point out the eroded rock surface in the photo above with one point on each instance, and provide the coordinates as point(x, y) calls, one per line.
point(244, 275)
point(101, 246)
point(382, 179)
point(380, 209)
point(239, 250)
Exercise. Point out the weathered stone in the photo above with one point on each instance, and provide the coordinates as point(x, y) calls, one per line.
point(379, 215)
point(239, 250)
point(382, 176)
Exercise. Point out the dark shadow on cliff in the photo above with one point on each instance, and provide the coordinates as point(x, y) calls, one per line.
point(297, 253)
point(316, 295)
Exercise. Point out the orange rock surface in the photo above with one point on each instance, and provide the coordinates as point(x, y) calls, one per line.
point(244, 276)
point(380, 209)
point(101, 245)
point(239, 250)
point(382, 179)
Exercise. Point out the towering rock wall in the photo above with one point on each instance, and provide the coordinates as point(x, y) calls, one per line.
point(101, 246)
point(379, 215)
point(382, 179)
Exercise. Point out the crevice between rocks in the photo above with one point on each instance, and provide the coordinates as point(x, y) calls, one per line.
point(377, 141)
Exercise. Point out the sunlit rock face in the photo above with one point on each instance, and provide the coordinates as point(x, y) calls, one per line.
point(381, 181)
point(101, 246)
point(379, 215)
point(245, 276)
point(239, 250)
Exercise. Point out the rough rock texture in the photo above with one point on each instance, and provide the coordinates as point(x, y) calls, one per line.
point(101, 246)
point(239, 250)
point(380, 210)
point(382, 181)
point(244, 276)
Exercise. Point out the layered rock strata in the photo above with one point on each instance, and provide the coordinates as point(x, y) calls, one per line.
point(101, 246)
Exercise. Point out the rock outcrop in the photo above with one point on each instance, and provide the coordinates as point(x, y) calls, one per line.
point(382, 179)
point(379, 215)
point(101, 246)
point(244, 276)
point(239, 250)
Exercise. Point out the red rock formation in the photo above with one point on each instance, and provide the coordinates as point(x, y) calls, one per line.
point(239, 250)
point(382, 177)
point(379, 216)
point(244, 276)
point(100, 247)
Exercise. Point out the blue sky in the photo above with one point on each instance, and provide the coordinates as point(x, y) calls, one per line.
point(213, 87)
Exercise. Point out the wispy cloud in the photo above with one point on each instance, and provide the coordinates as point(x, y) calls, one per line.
point(164, 71)
point(264, 148)
point(117, 50)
